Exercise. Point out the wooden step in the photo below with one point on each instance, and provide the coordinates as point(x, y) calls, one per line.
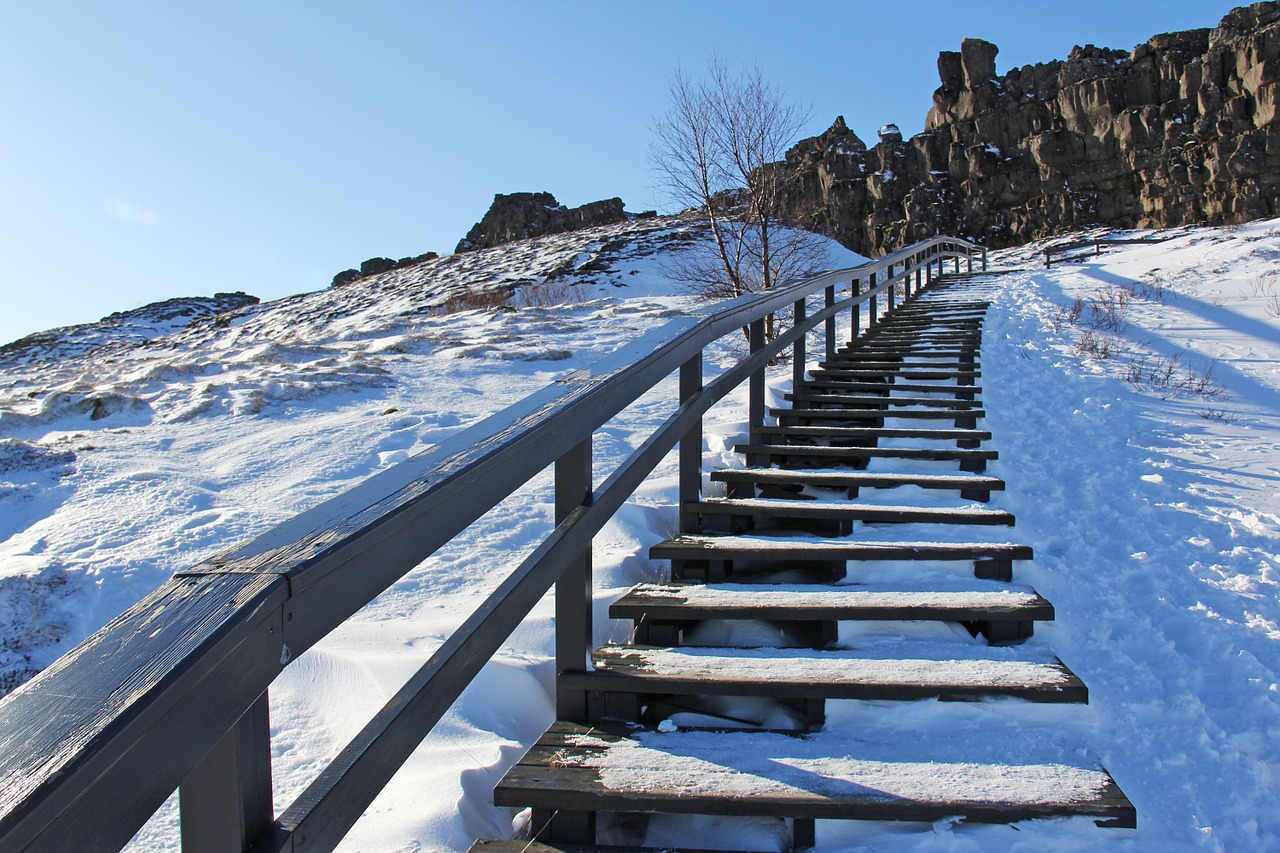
point(767, 509)
point(952, 600)
point(826, 776)
point(896, 365)
point(969, 436)
point(877, 414)
point(910, 375)
point(992, 560)
point(966, 484)
point(974, 460)
point(856, 400)
point(901, 351)
point(888, 670)
point(854, 385)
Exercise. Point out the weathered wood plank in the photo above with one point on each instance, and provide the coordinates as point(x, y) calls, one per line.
point(774, 508)
point(978, 601)
point(72, 751)
point(808, 451)
point(764, 774)
point(896, 671)
point(876, 414)
point(691, 547)
point(857, 479)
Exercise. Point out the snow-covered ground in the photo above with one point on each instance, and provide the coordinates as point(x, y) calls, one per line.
point(1151, 495)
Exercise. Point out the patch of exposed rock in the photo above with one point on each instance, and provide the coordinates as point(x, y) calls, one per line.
point(1181, 130)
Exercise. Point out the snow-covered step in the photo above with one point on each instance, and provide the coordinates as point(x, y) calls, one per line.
point(899, 372)
point(970, 459)
point(991, 559)
point(896, 365)
point(824, 776)
point(873, 400)
point(893, 670)
point(1003, 612)
point(964, 436)
point(771, 509)
point(876, 414)
point(885, 386)
point(971, 486)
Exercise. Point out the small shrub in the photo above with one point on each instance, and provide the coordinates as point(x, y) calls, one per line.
point(550, 293)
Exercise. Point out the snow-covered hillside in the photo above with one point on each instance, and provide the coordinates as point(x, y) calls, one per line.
point(1149, 490)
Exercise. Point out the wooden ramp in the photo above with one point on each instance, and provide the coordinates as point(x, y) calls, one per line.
point(856, 509)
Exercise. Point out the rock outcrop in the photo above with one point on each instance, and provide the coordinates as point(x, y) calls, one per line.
point(1182, 129)
point(519, 216)
point(373, 266)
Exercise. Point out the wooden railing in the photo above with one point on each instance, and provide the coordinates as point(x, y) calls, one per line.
point(172, 694)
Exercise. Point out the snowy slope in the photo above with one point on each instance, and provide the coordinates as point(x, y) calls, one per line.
point(1152, 505)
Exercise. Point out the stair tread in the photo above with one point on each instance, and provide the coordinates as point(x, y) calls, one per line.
point(765, 773)
point(943, 453)
point(863, 414)
point(841, 479)
point(696, 546)
point(886, 669)
point(878, 432)
point(954, 599)
point(880, 400)
point(849, 510)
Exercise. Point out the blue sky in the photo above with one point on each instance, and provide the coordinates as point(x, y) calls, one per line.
point(159, 149)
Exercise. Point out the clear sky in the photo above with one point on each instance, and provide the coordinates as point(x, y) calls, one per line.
point(159, 149)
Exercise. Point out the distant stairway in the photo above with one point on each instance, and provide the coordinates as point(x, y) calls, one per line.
point(784, 593)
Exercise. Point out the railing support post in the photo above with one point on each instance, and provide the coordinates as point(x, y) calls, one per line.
point(968, 258)
point(855, 313)
point(691, 443)
point(830, 300)
point(226, 801)
point(799, 349)
point(573, 590)
point(871, 303)
point(984, 258)
point(755, 393)
point(893, 285)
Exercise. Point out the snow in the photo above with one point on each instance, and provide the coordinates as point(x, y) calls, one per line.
point(1154, 511)
point(877, 662)
point(955, 592)
point(765, 764)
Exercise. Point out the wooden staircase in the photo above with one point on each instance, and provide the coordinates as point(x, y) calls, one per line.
point(717, 705)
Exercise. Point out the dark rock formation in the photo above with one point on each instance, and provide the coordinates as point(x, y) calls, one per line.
point(1182, 129)
point(519, 216)
point(373, 266)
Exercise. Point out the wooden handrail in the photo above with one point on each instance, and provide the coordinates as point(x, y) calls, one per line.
point(172, 692)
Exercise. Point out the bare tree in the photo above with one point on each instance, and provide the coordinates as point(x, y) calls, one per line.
point(719, 149)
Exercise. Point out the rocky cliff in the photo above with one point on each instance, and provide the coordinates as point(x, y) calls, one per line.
point(1182, 129)
point(519, 216)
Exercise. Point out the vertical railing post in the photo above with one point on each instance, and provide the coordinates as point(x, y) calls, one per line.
point(226, 801)
point(830, 300)
point(573, 589)
point(755, 391)
point(871, 303)
point(893, 285)
point(919, 274)
point(984, 258)
point(855, 313)
point(798, 349)
point(690, 448)
point(968, 257)
point(956, 258)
